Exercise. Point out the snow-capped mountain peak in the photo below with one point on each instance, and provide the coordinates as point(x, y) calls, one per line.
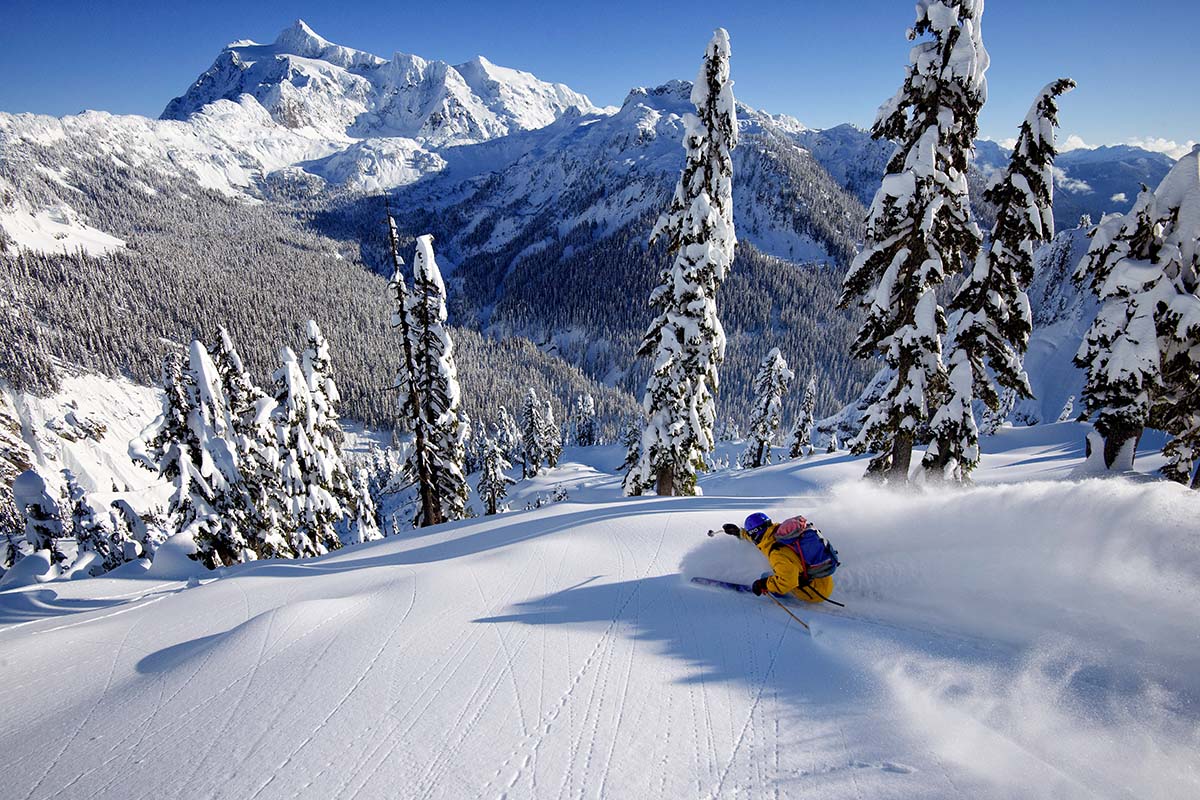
point(301, 40)
point(307, 82)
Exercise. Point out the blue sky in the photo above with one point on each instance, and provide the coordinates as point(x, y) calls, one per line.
point(822, 62)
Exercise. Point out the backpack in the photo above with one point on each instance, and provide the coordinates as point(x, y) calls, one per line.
point(818, 559)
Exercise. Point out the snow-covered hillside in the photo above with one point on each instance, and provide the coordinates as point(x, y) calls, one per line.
point(1031, 637)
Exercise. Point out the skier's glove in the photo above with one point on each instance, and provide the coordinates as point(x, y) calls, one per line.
point(731, 529)
point(759, 586)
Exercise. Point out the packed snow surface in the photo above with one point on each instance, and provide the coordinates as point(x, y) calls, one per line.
point(1029, 637)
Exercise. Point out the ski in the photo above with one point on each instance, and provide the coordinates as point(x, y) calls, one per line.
point(745, 589)
point(737, 587)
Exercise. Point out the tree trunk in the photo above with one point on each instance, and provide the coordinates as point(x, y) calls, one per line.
point(430, 512)
point(664, 485)
point(1115, 440)
point(902, 447)
point(935, 466)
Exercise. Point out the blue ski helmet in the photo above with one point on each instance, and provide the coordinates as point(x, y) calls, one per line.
point(756, 525)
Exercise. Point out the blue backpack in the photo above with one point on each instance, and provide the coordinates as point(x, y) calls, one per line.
point(817, 556)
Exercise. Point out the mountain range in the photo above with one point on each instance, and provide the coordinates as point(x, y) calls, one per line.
point(539, 200)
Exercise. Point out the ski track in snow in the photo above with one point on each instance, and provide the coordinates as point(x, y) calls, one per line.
point(558, 654)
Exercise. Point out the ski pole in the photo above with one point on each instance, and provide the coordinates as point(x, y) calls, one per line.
point(789, 612)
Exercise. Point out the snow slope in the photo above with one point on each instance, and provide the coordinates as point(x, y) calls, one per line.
point(1026, 638)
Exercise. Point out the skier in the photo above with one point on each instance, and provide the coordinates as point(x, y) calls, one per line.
point(802, 560)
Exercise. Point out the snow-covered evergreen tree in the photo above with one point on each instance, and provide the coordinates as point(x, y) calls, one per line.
point(1068, 410)
point(993, 418)
point(364, 525)
point(15, 458)
point(140, 540)
point(508, 433)
point(43, 519)
point(533, 429)
point(411, 419)
point(632, 483)
point(800, 439)
point(221, 538)
point(314, 509)
point(1142, 351)
point(91, 529)
point(686, 340)
point(168, 446)
point(770, 385)
point(990, 318)
point(326, 437)
point(585, 421)
point(552, 444)
point(435, 378)
point(252, 435)
point(833, 443)
point(474, 444)
point(187, 446)
point(12, 547)
point(494, 479)
point(919, 227)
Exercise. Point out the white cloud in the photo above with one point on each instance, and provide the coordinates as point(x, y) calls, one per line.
point(1009, 143)
point(1119, 197)
point(1069, 184)
point(1157, 144)
point(1073, 142)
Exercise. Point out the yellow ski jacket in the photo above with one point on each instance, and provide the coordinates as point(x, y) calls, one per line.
point(789, 570)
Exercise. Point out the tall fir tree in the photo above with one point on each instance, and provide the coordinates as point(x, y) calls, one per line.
point(1142, 352)
point(417, 464)
point(552, 444)
point(800, 439)
point(919, 227)
point(686, 340)
point(532, 435)
point(326, 437)
point(990, 318)
point(494, 479)
point(187, 446)
point(253, 437)
point(221, 537)
point(436, 382)
point(314, 509)
point(770, 385)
